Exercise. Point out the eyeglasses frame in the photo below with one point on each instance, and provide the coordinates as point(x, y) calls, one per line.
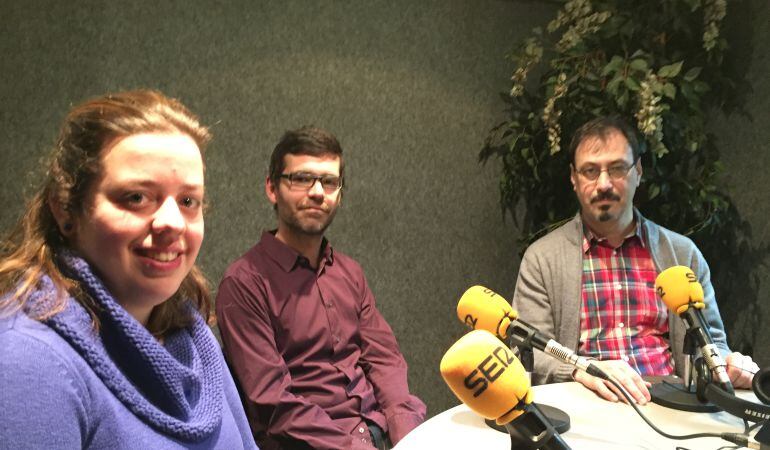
point(316, 179)
point(625, 174)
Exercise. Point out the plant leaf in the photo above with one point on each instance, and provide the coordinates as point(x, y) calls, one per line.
point(671, 70)
point(692, 73)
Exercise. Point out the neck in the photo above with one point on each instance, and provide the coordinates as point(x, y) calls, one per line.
point(141, 314)
point(615, 231)
point(307, 245)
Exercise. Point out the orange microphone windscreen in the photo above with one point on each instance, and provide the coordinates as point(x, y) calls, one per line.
point(482, 309)
point(679, 289)
point(485, 375)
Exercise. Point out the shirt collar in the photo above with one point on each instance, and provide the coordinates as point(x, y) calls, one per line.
point(288, 258)
point(590, 238)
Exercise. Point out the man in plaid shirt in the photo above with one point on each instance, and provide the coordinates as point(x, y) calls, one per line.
point(590, 284)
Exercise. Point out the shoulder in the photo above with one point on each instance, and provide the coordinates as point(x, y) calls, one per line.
point(658, 232)
point(347, 261)
point(41, 371)
point(248, 263)
point(346, 267)
point(556, 242)
point(28, 344)
point(663, 240)
point(19, 332)
point(248, 274)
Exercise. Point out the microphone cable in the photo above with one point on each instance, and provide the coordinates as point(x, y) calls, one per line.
point(734, 438)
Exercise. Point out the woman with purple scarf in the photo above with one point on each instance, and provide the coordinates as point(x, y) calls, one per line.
point(104, 341)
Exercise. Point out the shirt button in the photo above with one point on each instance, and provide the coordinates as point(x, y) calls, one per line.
point(625, 358)
point(619, 286)
point(620, 325)
point(361, 429)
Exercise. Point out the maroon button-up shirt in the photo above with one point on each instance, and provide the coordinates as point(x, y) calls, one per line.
point(314, 357)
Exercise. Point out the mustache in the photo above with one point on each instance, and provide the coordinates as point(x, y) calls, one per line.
point(321, 206)
point(607, 195)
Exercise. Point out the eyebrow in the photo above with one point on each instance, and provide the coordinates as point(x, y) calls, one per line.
point(617, 161)
point(307, 172)
point(149, 183)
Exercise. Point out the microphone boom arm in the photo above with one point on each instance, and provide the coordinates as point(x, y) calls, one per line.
point(525, 335)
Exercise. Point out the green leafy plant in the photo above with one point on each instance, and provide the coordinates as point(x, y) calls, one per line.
point(659, 64)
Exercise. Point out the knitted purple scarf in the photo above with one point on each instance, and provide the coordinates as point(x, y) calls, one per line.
point(175, 387)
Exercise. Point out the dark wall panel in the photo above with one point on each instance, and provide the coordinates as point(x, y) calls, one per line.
point(743, 138)
point(410, 88)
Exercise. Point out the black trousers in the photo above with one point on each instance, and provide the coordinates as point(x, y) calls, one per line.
point(379, 438)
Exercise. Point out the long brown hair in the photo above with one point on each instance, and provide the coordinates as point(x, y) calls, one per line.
point(30, 250)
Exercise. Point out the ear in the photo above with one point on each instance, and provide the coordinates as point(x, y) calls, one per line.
point(639, 169)
point(573, 177)
point(62, 217)
point(339, 197)
point(340, 194)
point(270, 190)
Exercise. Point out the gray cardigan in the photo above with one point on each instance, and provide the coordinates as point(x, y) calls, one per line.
point(548, 291)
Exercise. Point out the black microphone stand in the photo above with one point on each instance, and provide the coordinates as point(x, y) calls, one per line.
point(763, 435)
point(684, 394)
point(533, 431)
point(558, 418)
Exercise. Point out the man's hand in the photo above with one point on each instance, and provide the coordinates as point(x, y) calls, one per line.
point(624, 374)
point(741, 370)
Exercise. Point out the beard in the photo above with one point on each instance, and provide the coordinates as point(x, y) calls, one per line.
point(305, 225)
point(605, 216)
point(604, 213)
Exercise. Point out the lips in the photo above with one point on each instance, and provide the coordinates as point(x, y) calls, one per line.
point(314, 208)
point(160, 256)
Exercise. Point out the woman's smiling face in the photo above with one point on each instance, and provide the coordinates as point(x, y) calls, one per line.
point(142, 224)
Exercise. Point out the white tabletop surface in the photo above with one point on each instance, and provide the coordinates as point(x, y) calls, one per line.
point(595, 424)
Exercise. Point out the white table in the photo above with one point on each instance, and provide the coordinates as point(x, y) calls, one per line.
point(595, 424)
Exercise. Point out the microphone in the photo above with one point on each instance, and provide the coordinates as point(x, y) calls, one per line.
point(485, 375)
point(679, 289)
point(482, 309)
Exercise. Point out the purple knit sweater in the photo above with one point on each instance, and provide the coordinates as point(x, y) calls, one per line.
point(62, 385)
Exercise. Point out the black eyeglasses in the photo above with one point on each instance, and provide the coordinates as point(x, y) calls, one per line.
point(305, 180)
point(616, 171)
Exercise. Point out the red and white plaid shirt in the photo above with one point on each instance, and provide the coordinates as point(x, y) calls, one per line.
point(621, 317)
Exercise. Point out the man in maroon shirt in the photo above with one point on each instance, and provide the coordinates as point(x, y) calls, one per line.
point(317, 364)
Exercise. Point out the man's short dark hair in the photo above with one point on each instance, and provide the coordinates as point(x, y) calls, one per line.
point(601, 127)
point(307, 140)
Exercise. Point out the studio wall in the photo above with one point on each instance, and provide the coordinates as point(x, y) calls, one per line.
point(410, 89)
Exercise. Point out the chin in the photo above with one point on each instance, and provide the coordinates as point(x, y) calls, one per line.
point(605, 217)
point(161, 294)
point(312, 229)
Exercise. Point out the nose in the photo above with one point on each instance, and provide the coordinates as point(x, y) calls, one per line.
point(168, 217)
point(604, 182)
point(316, 190)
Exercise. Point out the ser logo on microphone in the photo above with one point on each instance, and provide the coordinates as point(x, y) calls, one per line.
point(471, 321)
point(489, 370)
point(690, 278)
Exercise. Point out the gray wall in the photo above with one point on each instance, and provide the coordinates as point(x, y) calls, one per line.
point(410, 88)
point(744, 143)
